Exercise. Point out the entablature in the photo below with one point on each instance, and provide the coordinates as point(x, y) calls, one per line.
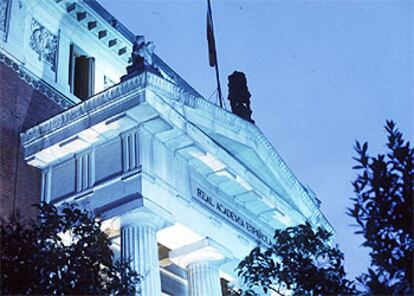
point(104, 31)
point(152, 102)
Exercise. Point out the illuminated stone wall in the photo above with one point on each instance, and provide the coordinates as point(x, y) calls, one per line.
point(157, 162)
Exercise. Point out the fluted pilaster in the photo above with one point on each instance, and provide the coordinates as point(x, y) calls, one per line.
point(203, 279)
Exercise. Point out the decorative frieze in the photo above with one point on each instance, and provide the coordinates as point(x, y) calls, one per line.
point(276, 162)
point(43, 43)
point(35, 82)
point(4, 4)
point(168, 89)
point(111, 96)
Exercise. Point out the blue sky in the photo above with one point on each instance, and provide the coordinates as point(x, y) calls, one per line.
point(322, 74)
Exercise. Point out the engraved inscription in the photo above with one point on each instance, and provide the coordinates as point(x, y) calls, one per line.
point(230, 215)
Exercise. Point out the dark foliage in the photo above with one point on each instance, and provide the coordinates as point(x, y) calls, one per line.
point(383, 209)
point(301, 260)
point(37, 259)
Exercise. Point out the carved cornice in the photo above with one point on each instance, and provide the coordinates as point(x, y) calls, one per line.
point(172, 91)
point(181, 93)
point(276, 163)
point(83, 109)
point(90, 17)
point(145, 80)
point(37, 84)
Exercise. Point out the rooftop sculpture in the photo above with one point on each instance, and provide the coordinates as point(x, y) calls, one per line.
point(141, 56)
point(239, 96)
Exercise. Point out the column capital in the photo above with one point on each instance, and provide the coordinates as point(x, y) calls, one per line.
point(202, 260)
point(202, 251)
point(144, 217)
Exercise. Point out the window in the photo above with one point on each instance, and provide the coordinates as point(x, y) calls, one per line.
point(81, 73)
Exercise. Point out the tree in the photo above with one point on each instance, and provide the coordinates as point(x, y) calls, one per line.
point(62, 252)
point(300, 260)
point(383, 209)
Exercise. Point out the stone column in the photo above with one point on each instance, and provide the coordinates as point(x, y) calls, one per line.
point(139, 247)
point(202, 260)
point(203, 278)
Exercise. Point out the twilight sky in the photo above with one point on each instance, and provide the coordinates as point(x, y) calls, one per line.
point(322, 74)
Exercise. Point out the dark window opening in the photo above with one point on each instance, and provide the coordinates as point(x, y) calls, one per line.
point(81, 73)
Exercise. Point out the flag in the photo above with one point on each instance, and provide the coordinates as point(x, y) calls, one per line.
point(212, 59)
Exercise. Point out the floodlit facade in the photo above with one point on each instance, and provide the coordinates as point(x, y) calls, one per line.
point(186, 188)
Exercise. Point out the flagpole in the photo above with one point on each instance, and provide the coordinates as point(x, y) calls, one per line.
point(218, 84)
point(215, 56)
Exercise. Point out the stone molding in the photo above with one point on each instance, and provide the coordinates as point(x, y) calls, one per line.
point(83, 109)
point(182, 94)
point(117, 92)
point(275, 159)
point(85, 14)
point(35, 82)
point(170, 90)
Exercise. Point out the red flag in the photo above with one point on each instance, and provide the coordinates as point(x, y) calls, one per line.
point(210, 38)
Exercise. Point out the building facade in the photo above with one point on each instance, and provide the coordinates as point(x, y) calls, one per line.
point(185, 188)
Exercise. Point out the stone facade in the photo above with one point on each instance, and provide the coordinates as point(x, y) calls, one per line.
point(185, 188)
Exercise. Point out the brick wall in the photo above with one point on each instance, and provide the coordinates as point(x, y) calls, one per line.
point(21, 107)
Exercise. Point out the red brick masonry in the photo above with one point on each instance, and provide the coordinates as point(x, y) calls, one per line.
point(21, 107)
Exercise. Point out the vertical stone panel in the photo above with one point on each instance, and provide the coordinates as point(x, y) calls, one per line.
point(125, 153)
point(85, 171)
point(46, 185)
point(130, 151)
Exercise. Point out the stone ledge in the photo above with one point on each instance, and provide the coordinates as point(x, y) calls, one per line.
point(35, 82)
